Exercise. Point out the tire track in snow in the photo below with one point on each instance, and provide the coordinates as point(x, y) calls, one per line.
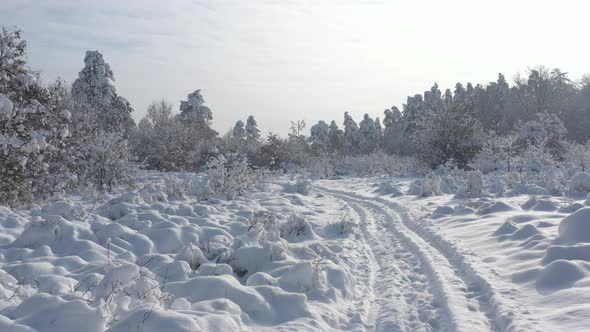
point(466, 297)
point(403, 296)
point(402, 300)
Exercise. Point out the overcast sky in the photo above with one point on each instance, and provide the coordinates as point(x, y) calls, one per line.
point(289, 60)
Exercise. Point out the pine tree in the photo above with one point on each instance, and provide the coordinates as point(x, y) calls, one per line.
point(336, 138)
point(238, 132)
point(368, 135)
point(94, 86)
point(320, 138)
point(351, 135)
point(196, 116)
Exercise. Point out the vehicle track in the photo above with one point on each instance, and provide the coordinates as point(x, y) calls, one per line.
point(420, 285)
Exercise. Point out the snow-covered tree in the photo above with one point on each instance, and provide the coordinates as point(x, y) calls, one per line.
point(336, 138)
point(156, 140)
point(94, 86)
point(33, 127)
point(320, 138)
point(252, 132)
point(368, 135)
point(196, 115)
point(547, 131)
point(396, 138)
point(450, 135)
point(351, 135)
point(379, 130)
point(238, 132)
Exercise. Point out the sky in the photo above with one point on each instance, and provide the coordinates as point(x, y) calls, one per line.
point(283, 60)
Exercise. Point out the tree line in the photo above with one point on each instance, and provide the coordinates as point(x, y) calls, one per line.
point(54, 137)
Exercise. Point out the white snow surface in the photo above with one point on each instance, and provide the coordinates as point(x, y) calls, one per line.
point(349, 254)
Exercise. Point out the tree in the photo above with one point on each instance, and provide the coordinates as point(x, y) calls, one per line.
point(379, 130)
point(368, 135)
point(94, 86)
point(156, 140)
point(393, 133)
point(33, 127)
point(351, 135)
point(450, 135)
point(238, 132)
point(335, 138)
point(195, 115)
point(546, 131)
point(320, 138)
point(577, 119)
point(252, 132)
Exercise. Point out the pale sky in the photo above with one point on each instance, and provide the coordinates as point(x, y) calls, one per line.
point(290, 60)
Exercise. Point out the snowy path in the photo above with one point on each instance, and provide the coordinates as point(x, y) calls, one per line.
point(417, 286)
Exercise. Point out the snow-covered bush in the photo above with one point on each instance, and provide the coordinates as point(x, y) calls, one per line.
point(546, 131)
point(229, 175)
point(579, 155)
point(580, 183)
point(191, 185)
point(426, 186)
point(497, 153)
point(301, 186)
point(377, 163)
point(296, 228)
point(449, 134)
point(102, 161)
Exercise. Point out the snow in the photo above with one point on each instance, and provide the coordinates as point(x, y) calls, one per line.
point(580, 183)
point(341, 254)
point(576, 227)
point(5, 104)
point(167, 258)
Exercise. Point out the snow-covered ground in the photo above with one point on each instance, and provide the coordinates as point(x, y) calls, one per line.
point(343, 254)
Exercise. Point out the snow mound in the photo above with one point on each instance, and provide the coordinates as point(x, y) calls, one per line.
point(580, 183)
point(387, 188)
point(575, 252)
point(66, 209)
point(545, 205)
point(559, 274)
point(443, 210)
point(576, 227)
point(525, 232)
point(54, 314)
point(301, 186)
point(425, 187)
point(506, 228)
point(572, 208)
point(495, 208)
point(527, 189)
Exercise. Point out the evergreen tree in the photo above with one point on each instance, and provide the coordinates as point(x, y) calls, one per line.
point(320, 138)
point(196, 116)
point(252, 132)
point(94, 86)
point(336, 138)
point(368, 135)
point(351, 135)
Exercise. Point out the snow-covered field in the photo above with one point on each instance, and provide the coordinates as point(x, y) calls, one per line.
point(345, 254)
